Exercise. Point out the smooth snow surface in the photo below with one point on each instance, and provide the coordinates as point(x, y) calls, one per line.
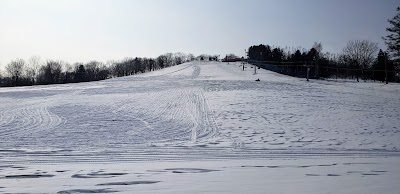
point(200, 111)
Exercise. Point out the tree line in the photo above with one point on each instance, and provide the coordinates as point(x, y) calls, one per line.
point(36, 72)
point(358, 59)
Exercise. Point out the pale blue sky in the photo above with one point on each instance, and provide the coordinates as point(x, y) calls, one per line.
point(83, 30)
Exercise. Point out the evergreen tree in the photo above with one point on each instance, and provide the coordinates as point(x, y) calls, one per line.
point(277, 55)
point(393, 39)
point(80, 74)
point(383, 64)
point(297, 56)
point(260, 53)
point(312, 55)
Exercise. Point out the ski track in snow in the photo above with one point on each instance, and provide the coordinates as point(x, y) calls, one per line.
point(198, 111)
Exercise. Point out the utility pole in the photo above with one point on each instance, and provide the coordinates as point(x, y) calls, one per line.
point(386, 69)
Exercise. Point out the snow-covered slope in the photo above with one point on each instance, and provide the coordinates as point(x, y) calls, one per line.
point(208, 105)
point(194, 112)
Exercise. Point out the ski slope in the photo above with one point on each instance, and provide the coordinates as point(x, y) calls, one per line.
point(206, 105)
point(199, 111)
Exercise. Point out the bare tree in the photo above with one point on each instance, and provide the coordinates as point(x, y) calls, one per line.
point(32, 69)
point(179, 58)
point(68, 67)
point(231, 57)
point(170, 59)
point(162, 61)
point(190, 57)
point(15, 70)
point(360, 54)
point(30, 74)
point(35, 62)
point(51, 73)
point(69, 73)
point(92, 70)
point(318, 47)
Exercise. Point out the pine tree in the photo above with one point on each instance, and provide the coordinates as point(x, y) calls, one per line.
point(379, 66)
point(382, 65)
point(80, 74)
point(393, 39)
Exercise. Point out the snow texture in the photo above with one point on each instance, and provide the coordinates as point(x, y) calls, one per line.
point(200, 111)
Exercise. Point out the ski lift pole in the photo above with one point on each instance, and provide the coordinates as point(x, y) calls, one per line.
point(308, 72)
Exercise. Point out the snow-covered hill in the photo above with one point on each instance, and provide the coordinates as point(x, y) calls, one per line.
point(199, 111)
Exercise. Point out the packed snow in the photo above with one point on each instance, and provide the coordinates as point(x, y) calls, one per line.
point(201, 127)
